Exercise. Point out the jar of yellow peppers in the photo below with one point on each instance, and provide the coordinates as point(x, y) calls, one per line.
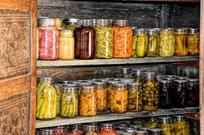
point(181, 39)
point(193, 42)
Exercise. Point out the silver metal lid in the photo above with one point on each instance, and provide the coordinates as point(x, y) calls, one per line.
point(121, 22)
point(141, 31)
point(193, 31)
point(46, 22)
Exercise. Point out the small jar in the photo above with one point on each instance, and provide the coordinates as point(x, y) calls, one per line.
point(165, 125)
point(152, 123)
point(135, 97)
point(91, 130)
point(69, 104)
point(193, 92)
point(70, 24)
point(107, 129)
point(60, 130)
point(119, 98)
point(141, 43)
point(47, 132)
point(75, 130)
point(104, 39)
point(137, 75)
point(48, 40)
point(88, 104)
point(167, 43)
point(181, 126)
point(66, 45)
point(150, 89)
point(193, 40)
point(122, 39)
point(181, 42)
point(152, 43)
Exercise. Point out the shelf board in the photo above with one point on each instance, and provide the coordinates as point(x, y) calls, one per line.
point(112, 116)
point(96, 62)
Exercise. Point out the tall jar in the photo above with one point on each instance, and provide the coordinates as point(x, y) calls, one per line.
point(48, 40)
point(152, 43)
point(150, 89)
point(107, 129)
point(69, 104)
point(104, 39)
point(193, 92)
point(167, 43)
point(46, 100)
point(165, 125)
point(122, 39)
point(181, 42)
point(91, 130)
point(119, 98)
point(135, 97)
point(88, 101)
point(66, 45)
point(181, 126)
point(85, 40)
point(193, 42)
point(59, 91)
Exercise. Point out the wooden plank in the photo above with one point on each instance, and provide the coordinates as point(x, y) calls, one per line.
point(21, 5)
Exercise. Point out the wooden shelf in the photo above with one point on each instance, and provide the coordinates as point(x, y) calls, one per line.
point(111, 117)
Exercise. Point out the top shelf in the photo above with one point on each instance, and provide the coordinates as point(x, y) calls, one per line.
point(98, 62)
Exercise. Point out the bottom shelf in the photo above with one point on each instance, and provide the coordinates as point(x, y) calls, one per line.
point(113, 116)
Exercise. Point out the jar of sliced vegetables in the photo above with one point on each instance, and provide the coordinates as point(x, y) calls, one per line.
point(152, 43)
point(193, 42)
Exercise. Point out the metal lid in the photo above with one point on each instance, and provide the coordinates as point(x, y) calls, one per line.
point(86, 22)
point(129, 130)
point(182, 78)
point(165, 81)
point(179, 81)
point(155, 131)
point(127, 81)
point(181, 31)
point(140, 132)
point(165, 120)
point(193, 31)
point(143, 128)
point(179, 117)
point(151, 32)
point(149, 75)
point(46, 22)
point(193, 80)
point(141, 31)
point(136, 72)
point(103, 22)
point(121, 22)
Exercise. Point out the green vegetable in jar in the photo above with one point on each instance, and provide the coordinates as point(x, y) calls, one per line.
point(59, 91)
point(181, 126)
point(141, 43)
point(152, 43)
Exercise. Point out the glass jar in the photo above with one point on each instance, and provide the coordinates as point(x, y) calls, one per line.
point(135, 97)
point(91, 130)
point(122, 39)
point(140, 132)
point(84, 40)
point(107, 129)
point(46, 100)
point(137, 75)
point(75, 130)
point(60, 130)
point(154, 131)
point(150, 92)
point(101, 95)
point(180, 93)
point(119, 98)
point(134, 43)
point(193, 40)
point(165, 125)
point(129, 131)
point(165, 88)
point(181, 42)
point(193, 92)
point(69, 104)
point(109, 88)
point(152, 43)
point(141, 43)
point(88, 104)
point(152, 123)
point(167, 43)
point(47, 132)
point(104, 39)
point(70, 24)
point(48, 40)
point(66, 45)
point(181, 126)
point(59, 91)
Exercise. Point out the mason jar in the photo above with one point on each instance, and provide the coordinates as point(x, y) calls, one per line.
point(152, 43)
point(193, 40)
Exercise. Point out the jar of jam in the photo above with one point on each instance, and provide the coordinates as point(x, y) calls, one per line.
point(59, 130)
point(91, 130)
point(48, 36)
point(84, 40)
point(75, 130)
point(107, 129)
point(122, 39)
point(47, 132)
point(193, 92)
point(193, 39)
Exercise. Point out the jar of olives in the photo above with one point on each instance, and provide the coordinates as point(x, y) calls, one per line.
point(181, 126)
point(135, 97)
point(165, 125)
point(107, 129)
point(152, 43)
point(150, 89)
point(193, 92)
point(104, 39)
point(91, 130)
point(152, 123)
point(193, 42)
point(181, 42)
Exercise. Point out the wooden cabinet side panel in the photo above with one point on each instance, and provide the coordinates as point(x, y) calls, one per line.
point(20, 5)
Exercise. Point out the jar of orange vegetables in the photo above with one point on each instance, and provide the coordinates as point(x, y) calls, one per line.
point(122, 39)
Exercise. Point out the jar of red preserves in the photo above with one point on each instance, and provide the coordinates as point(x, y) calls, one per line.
point(107, 129)
point(48, 40)
point(60, 130)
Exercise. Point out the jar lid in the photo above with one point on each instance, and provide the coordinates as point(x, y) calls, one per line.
point(76, 127)
point(140, 132)
point(181, 77)
point(166, 30)
point(171, 76)
point(135, 126)
point(90, 127)
point(69, 88)
point(47, 79)
point(165, 81)
point(179, 117)
point(193, 80)
point(103, 22)
point(180, 81)
point(70, 21)
point(157, 29)
point(46, 22)
point(129, 130)
point(88, 87)
point(107, 125)
point(149, 75)
point(181, 30)
point(119, 84)
point(127, 81)
point(193, 31)
point(136, 72)
point(86, 22)
point(46, 131)
point(165, 119)
point(99, 83)
point(121, 22)
point(155, 131)
point(151, 32)
point(143, 128)
point(140, 31)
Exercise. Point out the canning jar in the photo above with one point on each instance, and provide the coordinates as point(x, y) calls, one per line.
point(47, 132)
point(59, 91)
point(193, 40)
point(84, 40)
point(152, 123)
point(75, 130)
point(150, 95)
point(193, 92)
point(181, 126)
point(104, 39)
point(119, 98)
point(135, 97)
point(180, 93)
point(128, 131)
point(88, 104)
point(69, 104)
point(66, 45)
point(137, 75)
point(152, 43)
point(122, 39)
point(165, 125)
point(70, 24)
point(109, 88)
point(91, 130)
point(46, 100)
point(48, 40)
point(107, 129)
point(101, 95)
point(166, 43)
point(60, 130)
point(181, 42)
point(134, 45)
point(165, 88)
point(141, 43)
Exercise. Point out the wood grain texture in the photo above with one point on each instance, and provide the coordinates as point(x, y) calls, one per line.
point(21, 5)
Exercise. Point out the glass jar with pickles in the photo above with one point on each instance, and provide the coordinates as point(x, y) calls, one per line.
point(119, 98)
point(107, 129)
point(91, 130)
point(122, 39)
point(135, 97)
point(181, 126)
point(46, 100)
point(150, 89)
point(193, 42)
point(69, 104)
point(166, 42)
point(88, 101)
point(104, 39)
point(165, 125)
point(59, 91)
point(152, 123)
point(193, 92)
point(152, 43)
point(181, 42)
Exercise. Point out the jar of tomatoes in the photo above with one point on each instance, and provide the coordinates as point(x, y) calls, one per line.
point(107, 129)
point(48, 36)
point(122, 39)
point(181, 39)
